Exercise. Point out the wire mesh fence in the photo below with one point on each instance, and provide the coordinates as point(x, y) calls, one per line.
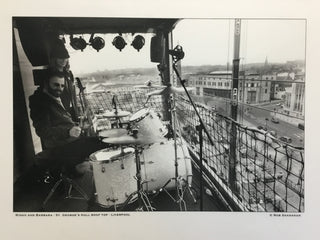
point(269, 173)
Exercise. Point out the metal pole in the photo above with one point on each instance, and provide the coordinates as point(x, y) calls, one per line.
point(199, 129)
point(234, 106)
point(166, 76)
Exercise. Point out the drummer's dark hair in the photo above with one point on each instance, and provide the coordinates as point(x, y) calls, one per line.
point(53, 73)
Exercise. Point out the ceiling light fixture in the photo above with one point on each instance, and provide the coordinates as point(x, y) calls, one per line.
point(138, 42)
point(119, 42)
point(78, 43)
point(97, 43)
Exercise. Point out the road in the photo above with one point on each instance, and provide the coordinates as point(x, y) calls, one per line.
point(256, 116)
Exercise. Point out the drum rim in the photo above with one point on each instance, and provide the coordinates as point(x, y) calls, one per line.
point(112, 206)
point(142, 117)
point(108, 160)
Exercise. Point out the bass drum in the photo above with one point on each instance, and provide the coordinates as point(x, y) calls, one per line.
point(158, 165)
point(113, 173)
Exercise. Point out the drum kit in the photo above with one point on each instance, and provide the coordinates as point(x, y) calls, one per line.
point(142, 162)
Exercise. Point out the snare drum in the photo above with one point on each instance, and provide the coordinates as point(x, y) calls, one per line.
point(148, 124)
point(158, 165)
point(113, 173)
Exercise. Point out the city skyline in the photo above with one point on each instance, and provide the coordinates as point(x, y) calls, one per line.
point(276, 40)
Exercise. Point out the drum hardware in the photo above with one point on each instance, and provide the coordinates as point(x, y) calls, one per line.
point(201, 127)
point(114, 104)
point(143, 200)
point(181, 185)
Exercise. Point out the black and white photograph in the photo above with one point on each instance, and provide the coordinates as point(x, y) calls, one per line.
point(137, 114)
point(177, 120)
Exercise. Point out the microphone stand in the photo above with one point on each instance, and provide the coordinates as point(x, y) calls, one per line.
point(200, 128)
point(114, 104)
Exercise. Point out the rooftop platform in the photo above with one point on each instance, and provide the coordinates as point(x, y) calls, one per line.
point(28, 197)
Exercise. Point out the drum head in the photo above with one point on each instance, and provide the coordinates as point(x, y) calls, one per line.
point(139, 115)
point(106, 155)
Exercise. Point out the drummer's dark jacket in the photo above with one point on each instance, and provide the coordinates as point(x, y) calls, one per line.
point(51, 120)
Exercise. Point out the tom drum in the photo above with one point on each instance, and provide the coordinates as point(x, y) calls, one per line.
point(148, 124)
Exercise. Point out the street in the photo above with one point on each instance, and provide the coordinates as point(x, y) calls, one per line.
point(254, 116)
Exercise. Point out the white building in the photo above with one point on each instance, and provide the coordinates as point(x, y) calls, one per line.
point(255, 88)
point(252, 88)
point(216, 84)
point(295, 99)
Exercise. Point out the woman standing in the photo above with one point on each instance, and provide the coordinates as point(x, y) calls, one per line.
point(59, 61)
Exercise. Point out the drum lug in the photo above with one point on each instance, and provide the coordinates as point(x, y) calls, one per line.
point(148, 180)
point(111, 199)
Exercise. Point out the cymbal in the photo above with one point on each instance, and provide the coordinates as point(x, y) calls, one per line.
point(117, 114)
point(112, 133)
point(171, 89)
point(130, 140)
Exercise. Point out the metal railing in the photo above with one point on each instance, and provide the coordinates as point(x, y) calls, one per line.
point(269, 173)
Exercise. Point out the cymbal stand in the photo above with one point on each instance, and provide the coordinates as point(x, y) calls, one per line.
point(143, 200)
point(181, 184)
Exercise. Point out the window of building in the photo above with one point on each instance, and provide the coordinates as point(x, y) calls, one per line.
point(266, 91)
point(266, 84)
point(214, 84)
point(252, 84)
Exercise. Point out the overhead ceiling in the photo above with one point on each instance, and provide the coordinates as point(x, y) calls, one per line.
point(37, 33)
point(81, 25)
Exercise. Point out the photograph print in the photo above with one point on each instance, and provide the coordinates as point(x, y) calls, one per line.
point(158, 114)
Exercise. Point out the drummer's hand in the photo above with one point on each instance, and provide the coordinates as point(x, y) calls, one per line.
point(75, 131)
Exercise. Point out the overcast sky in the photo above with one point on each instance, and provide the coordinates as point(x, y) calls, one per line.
point(207, 41)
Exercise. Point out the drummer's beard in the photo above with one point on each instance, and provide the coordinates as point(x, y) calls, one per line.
point(54, 92)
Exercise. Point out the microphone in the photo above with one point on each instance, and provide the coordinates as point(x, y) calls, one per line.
point(177, 53)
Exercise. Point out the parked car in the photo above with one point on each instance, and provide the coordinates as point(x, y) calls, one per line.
point(262, 128)
point(279, 175)
point(301, 126)
point(269, 178)
point(274, 120)
point(273, 133)
point(286, 139)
